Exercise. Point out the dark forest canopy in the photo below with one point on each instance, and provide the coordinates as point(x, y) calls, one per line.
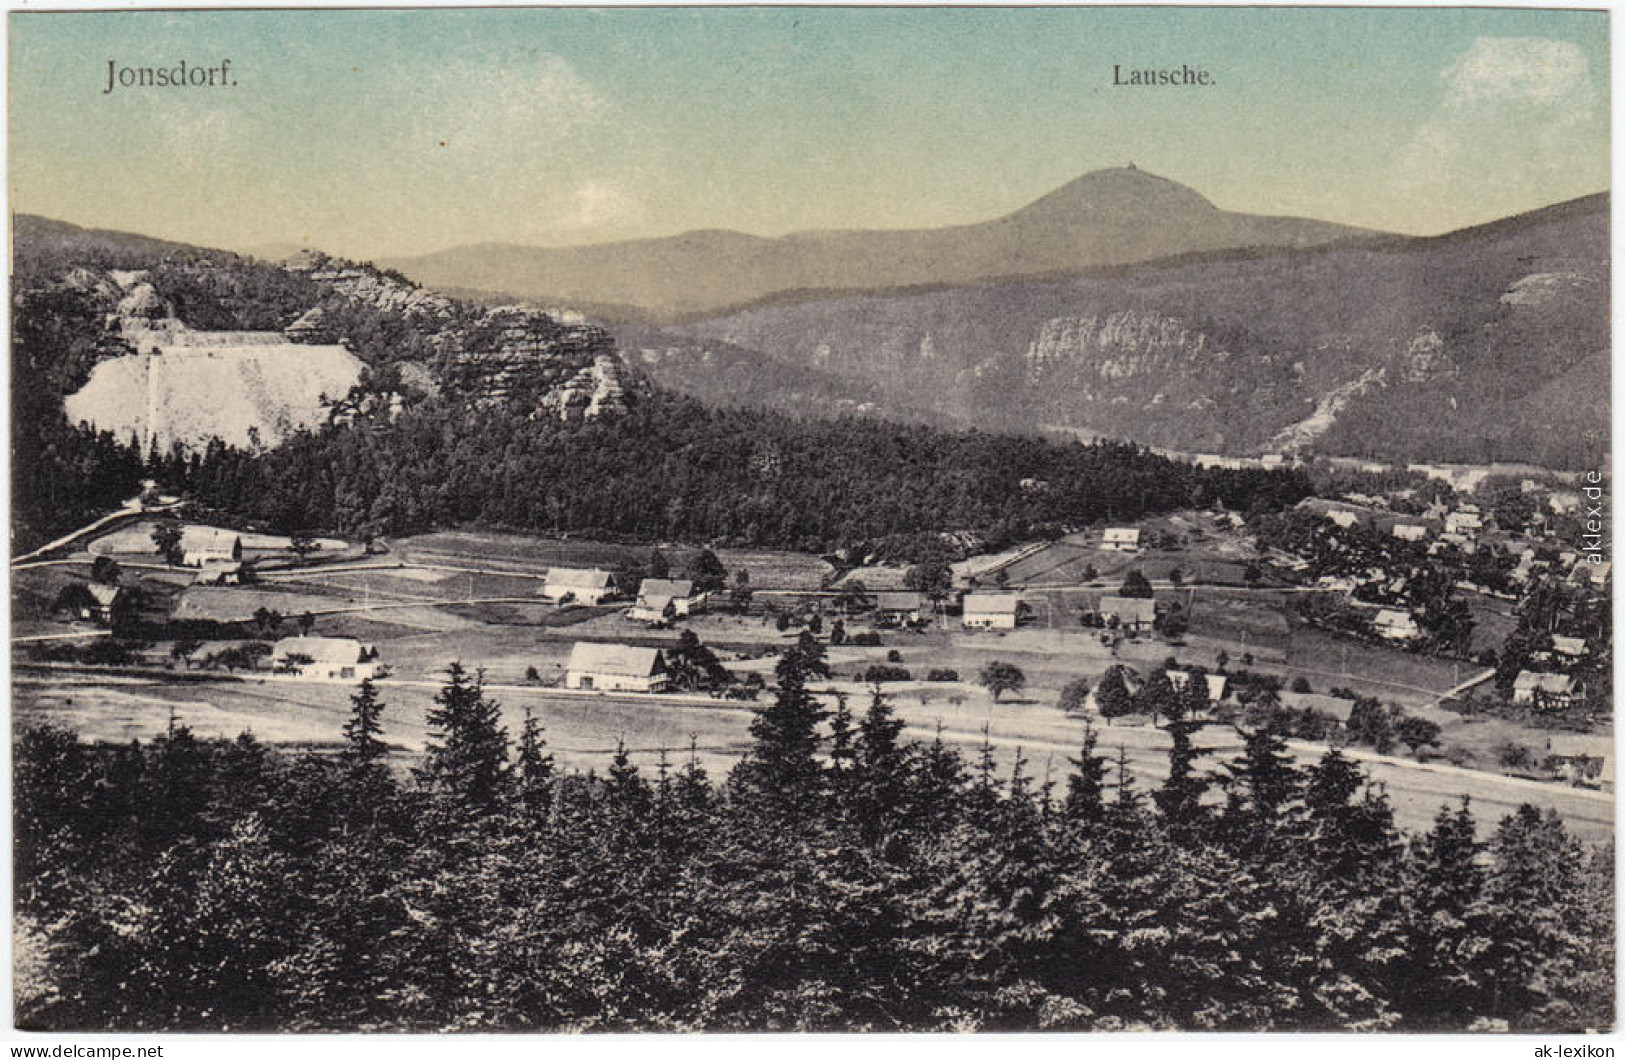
point(672, 469)
point(839, 878)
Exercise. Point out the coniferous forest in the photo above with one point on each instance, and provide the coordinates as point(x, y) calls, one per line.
point(836, 878)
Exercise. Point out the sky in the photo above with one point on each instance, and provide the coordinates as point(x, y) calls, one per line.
point(384, 133)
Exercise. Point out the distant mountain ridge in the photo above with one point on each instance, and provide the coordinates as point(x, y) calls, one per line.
point(1105, 218)
point(1491, 343)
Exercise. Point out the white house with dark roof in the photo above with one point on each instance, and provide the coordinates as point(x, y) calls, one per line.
point(578, 586)
point(616, 668)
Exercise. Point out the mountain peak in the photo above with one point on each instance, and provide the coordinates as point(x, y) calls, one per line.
point(1122, 189)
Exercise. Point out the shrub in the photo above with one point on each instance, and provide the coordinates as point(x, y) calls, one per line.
point(867, 639)
point(942, 674)
point(880, 673)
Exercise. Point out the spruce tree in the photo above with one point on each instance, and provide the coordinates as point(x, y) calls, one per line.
point(465, 767)
point(1085, 787)
point(781, 773)
point(533, 771)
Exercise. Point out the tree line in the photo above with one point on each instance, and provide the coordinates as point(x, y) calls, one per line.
point(837, 877)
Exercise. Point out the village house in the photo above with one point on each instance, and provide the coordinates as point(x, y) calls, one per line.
point(325, 658)
point(1121, 539)
point(1396, 625)
point(201, 545)
point(1582, 759)
point(1545, 690)
point(990, 610)
point(1131, 612)
point(657, 595)
point(1410, 531)
point(1569, 647)
point(571, 584)
point(616, 668)
point(1464, 522)
point(896, 608)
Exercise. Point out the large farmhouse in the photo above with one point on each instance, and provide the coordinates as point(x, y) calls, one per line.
point(616, 668)
point(325, 658)
point(990, 610)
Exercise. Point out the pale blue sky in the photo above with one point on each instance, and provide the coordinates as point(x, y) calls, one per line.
point(386, 132)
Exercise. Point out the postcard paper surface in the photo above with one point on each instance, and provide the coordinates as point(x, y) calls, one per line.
point(811, 519)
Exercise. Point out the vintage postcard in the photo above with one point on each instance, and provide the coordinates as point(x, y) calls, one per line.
point(783, 519)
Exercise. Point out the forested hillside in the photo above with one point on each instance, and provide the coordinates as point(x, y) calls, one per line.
point(1465, 347)
point(455, 421)
point(836, 879)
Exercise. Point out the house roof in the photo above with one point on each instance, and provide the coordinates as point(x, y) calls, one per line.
point(576, 578)
point(1569, 645)
point(899, 601)
point(620, 660)
point(103, 594)
point(991, 603)
point(338, 650)
point(1397, 619)
point(1122, 535)
point(1135, 607)
point(666, 588)
point(209, 539)
point(1534, 681)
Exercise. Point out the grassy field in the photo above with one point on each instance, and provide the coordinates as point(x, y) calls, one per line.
point(524, 553)
point(421, 621)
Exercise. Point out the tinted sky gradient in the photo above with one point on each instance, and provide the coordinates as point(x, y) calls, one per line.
point(387, 132)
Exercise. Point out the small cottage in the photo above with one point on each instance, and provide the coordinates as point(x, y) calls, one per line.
point(662, 598)
point(325, 658)
point(201, 545)
point(1121, 539)
point(573, 585)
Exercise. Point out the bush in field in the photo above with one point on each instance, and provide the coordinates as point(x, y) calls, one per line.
point(880, 673)
point(867, 639)
point(942, 674)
